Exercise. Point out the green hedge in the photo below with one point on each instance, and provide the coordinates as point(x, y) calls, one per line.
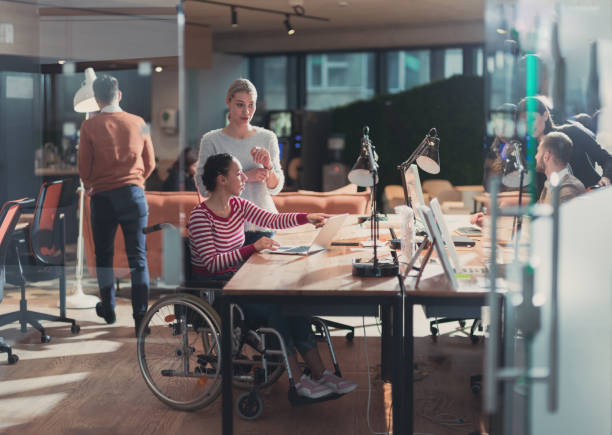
point(399, 122)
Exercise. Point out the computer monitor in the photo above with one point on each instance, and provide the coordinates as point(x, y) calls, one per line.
point(413, 193)
point(446, 235)
point(438, 243)
point(280, 123)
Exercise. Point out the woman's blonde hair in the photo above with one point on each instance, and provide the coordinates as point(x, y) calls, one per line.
point(241, 85)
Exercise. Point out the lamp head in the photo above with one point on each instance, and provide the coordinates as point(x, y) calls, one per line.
point(364, 172)
point(84, 99)
point(429, 160)
point(361, 173)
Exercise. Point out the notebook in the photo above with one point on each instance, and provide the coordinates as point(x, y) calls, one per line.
point(321, 241)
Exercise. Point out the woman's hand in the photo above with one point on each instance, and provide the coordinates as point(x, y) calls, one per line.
point(261, 156)
point(477, 219)
point(317, 219)
point(266, 243)
point(257, 175)
point(604, 181)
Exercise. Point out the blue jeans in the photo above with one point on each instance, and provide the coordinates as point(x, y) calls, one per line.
point(125, 206)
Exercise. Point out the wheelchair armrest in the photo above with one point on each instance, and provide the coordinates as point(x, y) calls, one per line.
point(156, 227)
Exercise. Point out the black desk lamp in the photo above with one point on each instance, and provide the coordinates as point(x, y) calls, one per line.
point(514, 176)
point(365, 174)
point(427, 157)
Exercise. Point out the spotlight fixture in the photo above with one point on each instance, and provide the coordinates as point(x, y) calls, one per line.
point(288, 26)
point(159, 69)
point(234, 17)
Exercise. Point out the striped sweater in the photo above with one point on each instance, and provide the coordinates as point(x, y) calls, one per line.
point(216, 242)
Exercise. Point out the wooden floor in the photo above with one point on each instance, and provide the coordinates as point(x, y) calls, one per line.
point(90, 384)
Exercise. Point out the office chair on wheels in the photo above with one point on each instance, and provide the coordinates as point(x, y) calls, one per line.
point(39, 251)
point(9, 216)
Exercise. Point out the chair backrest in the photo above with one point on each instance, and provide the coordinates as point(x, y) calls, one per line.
point(9, 215)
point(46, 233)
point(435, 186)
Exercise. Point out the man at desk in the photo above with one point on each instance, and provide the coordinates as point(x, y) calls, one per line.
point(553, 157)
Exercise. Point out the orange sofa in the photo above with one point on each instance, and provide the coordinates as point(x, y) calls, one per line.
point(174, 208)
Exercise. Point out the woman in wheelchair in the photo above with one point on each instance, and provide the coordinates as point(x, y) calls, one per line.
point(216, 235)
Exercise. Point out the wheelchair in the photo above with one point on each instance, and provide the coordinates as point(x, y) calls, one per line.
point(179, 352)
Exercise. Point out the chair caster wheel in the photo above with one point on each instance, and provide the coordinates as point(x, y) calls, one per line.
point(45, 339)
point(350, 336)
point(434, 333)
point(476, 384)
point(75, 329)
point(462, 323)
point(249, 406)
point(12, 359)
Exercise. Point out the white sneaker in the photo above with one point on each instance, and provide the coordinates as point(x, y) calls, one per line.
point(312, 389)
point(337, 384)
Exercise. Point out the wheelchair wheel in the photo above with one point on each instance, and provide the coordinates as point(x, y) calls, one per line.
point(249, 406)
point(179, 352)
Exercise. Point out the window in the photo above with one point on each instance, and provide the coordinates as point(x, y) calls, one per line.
point(453, 62)
point(335, 79)
point(274, 83)
point(407, 69)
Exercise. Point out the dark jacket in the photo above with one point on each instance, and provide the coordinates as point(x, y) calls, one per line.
point(585, 153)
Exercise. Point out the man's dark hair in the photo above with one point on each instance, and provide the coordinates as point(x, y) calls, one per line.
point(215, 165)
point(559, 145)
point(105, 88)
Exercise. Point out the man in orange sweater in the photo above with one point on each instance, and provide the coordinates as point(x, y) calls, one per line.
point(115, 158)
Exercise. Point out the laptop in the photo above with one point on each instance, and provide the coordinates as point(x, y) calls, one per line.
point(321, 241)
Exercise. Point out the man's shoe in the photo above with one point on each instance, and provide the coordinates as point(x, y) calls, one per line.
point(109, 317)
point(337, 384)
point(312, 389)
point(137, 322)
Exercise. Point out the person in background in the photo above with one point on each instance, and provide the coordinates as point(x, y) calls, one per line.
point(553, 157)
point(154, 182)
point(503, 121)
point(585, 151)
point(217, 249)
point(115, 158)
point(189, 159)
point(254, 147)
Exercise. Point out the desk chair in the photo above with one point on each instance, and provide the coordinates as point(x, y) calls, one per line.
point(9, 216)
point(40, 255)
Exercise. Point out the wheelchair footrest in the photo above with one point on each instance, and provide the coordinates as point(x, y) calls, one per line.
point(296, 400)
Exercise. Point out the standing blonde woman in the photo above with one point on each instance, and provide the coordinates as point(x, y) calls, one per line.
point(254, 147)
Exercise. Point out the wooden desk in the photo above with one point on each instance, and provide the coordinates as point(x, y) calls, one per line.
point(325, 279)
point(321, 279)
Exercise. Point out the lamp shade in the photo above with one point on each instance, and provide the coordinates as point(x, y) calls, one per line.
point(361, 173)
point(84, 100)
point(429, 160)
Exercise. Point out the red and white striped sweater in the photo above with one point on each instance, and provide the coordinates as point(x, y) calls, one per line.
point(216, 242)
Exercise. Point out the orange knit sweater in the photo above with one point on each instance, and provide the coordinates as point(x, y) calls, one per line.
point(115, 150)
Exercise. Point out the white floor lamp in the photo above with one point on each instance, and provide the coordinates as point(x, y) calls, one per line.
point(84, 102)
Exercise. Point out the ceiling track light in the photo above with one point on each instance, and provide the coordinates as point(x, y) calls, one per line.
point(298, 11)
point(288, 26)
point(234, 17)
